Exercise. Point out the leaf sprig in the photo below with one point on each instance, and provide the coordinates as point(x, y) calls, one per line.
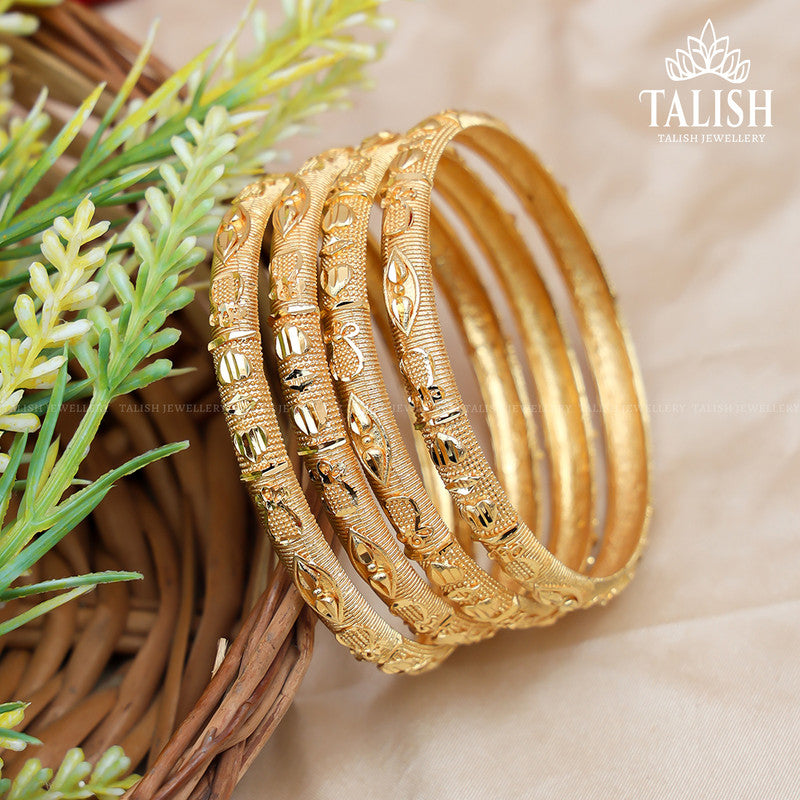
point(29, 362)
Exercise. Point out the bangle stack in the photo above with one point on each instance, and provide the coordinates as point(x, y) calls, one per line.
point(401, 527)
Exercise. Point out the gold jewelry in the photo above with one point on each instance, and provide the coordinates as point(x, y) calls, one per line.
point(442, 420)
point(308, 390)
point(343, 261)
point(348, 436)
point(292, 528)
point(499, 241)
point(558, 381)
point(372, 427)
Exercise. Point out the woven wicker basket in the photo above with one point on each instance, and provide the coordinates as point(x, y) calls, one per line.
point(191, 669)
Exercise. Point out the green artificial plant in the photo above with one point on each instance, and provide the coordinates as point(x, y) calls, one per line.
point(91, 271)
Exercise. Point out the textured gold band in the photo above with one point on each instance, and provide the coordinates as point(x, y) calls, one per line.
point(330, 378)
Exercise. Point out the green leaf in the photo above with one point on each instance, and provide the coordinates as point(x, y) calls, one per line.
point(72, 772)
point(123, 320)
point(75, 778)
point(70, 512)
point(103, 350)
point(145, 376)
point(106, 193)
point(87, 358)
point(34, 219)
point(178, 299)
point(41, 608)
point(120, 281)
point(8, 733)
point(268, 80)
point(163, 339)
point(15, 254)
point(90, 579)
point(26, 126)
point(38, 402)
point(138, 117)
point(30, 781)
point(127, 87)
point(226, 48)
point(111, 766)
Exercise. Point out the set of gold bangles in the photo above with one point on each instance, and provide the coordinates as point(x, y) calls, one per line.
point(457, 543)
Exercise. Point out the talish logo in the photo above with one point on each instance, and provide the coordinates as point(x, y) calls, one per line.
point(709, 107)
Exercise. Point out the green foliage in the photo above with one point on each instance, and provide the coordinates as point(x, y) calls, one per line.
point(87, 285)
point(104, 301)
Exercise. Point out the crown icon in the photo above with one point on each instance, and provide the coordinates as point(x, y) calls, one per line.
point(708, 55)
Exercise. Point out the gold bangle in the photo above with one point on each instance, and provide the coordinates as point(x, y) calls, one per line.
point(475, 314)
point(558, 380)
point(494, 361)
point(487, 336)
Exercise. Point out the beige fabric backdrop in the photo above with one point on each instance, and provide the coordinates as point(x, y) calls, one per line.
point(687, 685)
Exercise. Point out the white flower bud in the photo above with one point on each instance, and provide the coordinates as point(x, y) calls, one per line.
point(19, 423)
point(63, 227)
point(13, 744)
point(52, 249)
point(98, 229)
point(40, 280)
point(11, 402)
point(83, 214)
point(182, 150)
point(69, 331)
point(45, 382)
point(25, 312)
point(10, 719)
point(93, 258)
point(45, 368)
point(82, 297)
point(18, 24)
